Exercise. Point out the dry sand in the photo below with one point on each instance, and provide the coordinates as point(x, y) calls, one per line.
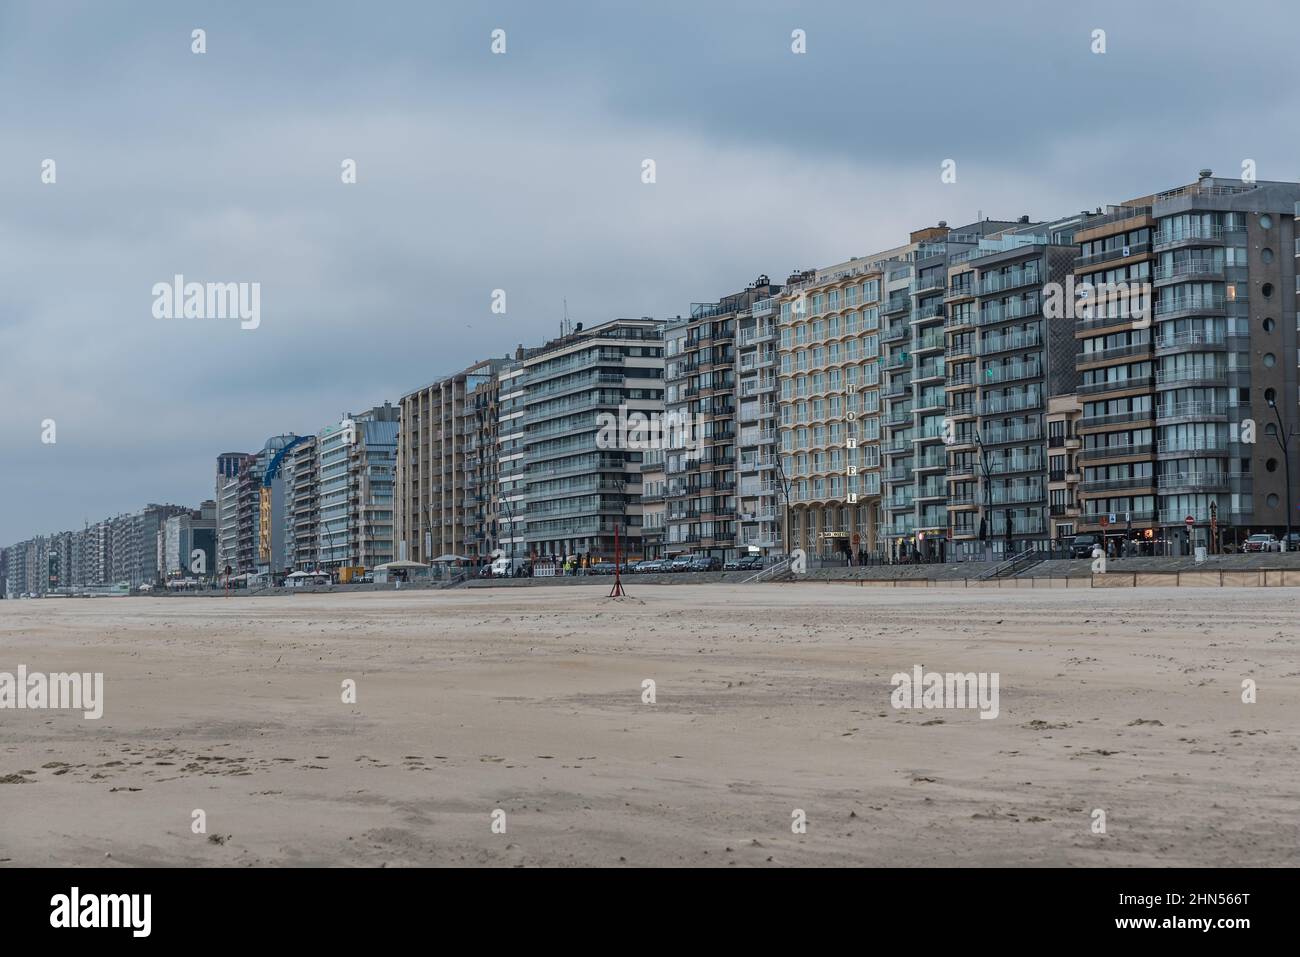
point(769, 698)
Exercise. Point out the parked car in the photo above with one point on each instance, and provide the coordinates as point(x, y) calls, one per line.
point(706, 563)
point(734, 564)
point(601, 568)
point(1292, 541)
point(1262, 542)
point(654, 565)
point(1082, 545)
point(682, 564)
point(751, 564)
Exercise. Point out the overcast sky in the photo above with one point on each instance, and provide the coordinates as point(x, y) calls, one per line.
point(520, 172)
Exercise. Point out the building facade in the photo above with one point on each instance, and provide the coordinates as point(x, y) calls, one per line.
point(582, 478)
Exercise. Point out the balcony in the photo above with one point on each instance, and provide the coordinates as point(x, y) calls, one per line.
point(1011, 279)
point(1088, 486)
point(1014, 433)
point(929, 370)
point(1001, 465)
point(1030, 525)
point(1213, 376)
point(1017, 495)
point(993, 312)
point(929, 341)
point(1121, 518)
point(1195, 410)
point(1208, 447)
point(998, 404)
point(1191, 234)
point(1116, 385)
point(1011, 371)
point(1110, 255)
point(1115, 451)
point(1196, 267)
point(1009, 343)
point(1192, 339)
point(1197, 481)
point(1131, 417)
point(1168, 306)
point(1134, 350)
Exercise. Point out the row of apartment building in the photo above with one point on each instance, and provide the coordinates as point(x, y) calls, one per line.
point(979, 390)
point(132, 550)
point(976, 391)
point(318, 503)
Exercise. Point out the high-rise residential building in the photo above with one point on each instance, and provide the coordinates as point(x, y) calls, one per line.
point(582, 476)
point(477, 476)
point(1003, 364)
point(915, 498)
point(1116, 365)
point(1183, 403)
point(434, 466)
point(653, 502)
point(758, 523)
point(829, 335)
point(301, 470)
point(230, 465)
point(184, 534)
point(700, 387)
point(372, 481)
point(355, 464)
point(511, 507)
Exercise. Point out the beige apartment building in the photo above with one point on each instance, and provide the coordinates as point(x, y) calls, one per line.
point(829, 427)
point(446, 452)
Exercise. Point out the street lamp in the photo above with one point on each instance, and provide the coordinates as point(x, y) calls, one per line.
point(785, 489)
point(1284, 441)
point(986, 511)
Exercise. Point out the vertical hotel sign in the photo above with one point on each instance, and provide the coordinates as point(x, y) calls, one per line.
point(264, 525)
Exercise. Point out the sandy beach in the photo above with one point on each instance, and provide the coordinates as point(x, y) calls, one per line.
point(769, 699)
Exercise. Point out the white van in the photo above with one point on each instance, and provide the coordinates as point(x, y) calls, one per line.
point(505, 567)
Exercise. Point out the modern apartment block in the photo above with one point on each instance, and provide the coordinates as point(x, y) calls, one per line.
point(582, 479)
point(438, 470)
point(354, 463)
point(478, 475)
point(510, 506)
point(184, 534)
point(758, 515)
point(301, 470)
point(829, 367)
point(1004, 362)
point(654, 507)
point(1183, 406)
point(701, 367)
